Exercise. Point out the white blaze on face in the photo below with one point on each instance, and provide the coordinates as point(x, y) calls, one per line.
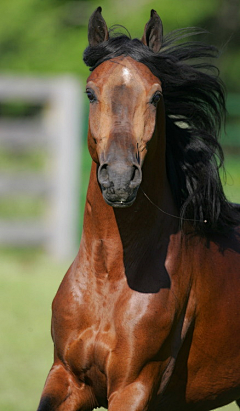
point(126, 75)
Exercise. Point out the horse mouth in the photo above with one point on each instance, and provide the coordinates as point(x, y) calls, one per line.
point(120, 200)
point(119, 183)
point(119, 203)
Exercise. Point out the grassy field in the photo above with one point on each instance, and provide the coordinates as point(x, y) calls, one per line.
point(28, 283)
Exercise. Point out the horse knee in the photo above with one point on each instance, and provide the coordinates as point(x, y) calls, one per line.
point(62, 392)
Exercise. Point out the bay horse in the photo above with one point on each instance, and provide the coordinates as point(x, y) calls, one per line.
point(148, 315)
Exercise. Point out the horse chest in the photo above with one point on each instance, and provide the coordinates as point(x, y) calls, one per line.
point(112, 334)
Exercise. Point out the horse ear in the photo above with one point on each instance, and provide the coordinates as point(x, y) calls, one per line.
point(97, 28)
point(153, 32)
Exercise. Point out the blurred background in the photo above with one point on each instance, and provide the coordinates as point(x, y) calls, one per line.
point(44, 162)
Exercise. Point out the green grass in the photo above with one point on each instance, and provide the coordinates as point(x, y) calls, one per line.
point(22, 161)
point(22, 207)
point(28, 283)
point(27, 286)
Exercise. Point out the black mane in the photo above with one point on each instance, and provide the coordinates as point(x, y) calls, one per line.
point(195, 108)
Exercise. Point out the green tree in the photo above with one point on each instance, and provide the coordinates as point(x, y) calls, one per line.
point(49, 36)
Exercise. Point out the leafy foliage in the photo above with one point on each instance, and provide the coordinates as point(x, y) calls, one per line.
point(49, 36)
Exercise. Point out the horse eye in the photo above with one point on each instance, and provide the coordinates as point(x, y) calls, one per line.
point(91, 96)
point(155, 98)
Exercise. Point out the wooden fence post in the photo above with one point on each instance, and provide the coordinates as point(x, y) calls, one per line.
point(58, 133)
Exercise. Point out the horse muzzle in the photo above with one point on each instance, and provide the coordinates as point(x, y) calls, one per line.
point(119, 183)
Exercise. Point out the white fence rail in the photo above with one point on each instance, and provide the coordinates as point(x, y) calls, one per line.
point(56, 132)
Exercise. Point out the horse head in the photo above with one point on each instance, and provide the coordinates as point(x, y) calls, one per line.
point(124, 95)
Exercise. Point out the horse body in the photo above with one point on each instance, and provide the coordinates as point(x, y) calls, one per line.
point(126, 345)
point(146, 316)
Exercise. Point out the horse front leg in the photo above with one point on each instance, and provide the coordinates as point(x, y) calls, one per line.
point(134, 397)
point(138, 394)
point(62, 392)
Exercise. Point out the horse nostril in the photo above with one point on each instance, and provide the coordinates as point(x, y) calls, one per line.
point(136, 176)
point(103, 177)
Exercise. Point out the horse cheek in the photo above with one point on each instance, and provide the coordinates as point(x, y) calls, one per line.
point(92, 150)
